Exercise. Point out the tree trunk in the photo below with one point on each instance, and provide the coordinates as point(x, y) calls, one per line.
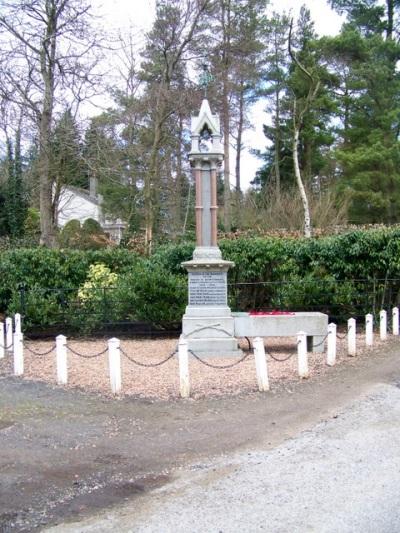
point(179, 179)
point(47, 65)
point(226, 15)
point(303, 194)
point(239, 139)
point(277, 148)
point(227, 186)
point(390, 18)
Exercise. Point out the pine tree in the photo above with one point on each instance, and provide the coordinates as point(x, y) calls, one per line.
point(368, 153)
point(15, 204)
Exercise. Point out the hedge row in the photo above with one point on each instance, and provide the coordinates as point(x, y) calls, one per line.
point(269, 273)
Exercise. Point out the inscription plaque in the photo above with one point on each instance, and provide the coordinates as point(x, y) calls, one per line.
point(207, 288)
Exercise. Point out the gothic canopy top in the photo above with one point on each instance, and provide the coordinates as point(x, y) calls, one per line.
point(206, 133)
point(205, 118)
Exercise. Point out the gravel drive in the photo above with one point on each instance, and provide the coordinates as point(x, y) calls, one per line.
point(341, 475)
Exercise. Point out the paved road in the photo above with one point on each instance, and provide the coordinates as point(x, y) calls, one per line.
point(341, 475)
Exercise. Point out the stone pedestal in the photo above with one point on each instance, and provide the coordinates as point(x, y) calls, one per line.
point(208, 324)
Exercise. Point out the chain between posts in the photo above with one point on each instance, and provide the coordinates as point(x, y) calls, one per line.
point(323, 340)
point(39, 354)
point(341, 337)
point(220, 367)
point(278, 359)
point(5, 347)
point(84, 356)
point(148, 365)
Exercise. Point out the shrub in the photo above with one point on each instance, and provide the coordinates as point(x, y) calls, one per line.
point(282, 273)
point(149, 293)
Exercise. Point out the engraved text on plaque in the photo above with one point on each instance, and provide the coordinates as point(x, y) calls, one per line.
point(207, 288)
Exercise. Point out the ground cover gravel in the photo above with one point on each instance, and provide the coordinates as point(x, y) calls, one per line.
point(162, 382)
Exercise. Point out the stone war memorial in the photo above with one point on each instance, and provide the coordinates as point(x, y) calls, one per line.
point(208, 325)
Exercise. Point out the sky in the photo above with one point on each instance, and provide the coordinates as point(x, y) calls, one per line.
point(137, 15)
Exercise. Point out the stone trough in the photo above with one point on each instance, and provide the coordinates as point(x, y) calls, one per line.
point(315, 325)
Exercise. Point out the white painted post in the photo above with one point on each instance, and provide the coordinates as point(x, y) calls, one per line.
point(383, 325)
point(395, 321)
point(18, 354)
point(184, 379)
point(331, 355)
point(114, 362)
point(61, 359)
point(17, 323)
point(369, 330)
point(302, 358)
point(9, 333)
point(351, 337)
point(2, 341)
point(261, 365)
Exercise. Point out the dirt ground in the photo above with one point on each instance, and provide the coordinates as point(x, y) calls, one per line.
point(66, 452)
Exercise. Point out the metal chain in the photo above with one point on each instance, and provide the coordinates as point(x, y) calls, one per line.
point(5, 347)
point(39, 354)
point(323, 340)
point(278, 359)
point(147, 365)
point(249, 343)
point(220, 367)
point(341, 337)
point(84, 356)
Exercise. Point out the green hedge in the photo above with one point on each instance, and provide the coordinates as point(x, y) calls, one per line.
point(269, 273)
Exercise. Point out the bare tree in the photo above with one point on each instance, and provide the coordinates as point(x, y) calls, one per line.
point(48, 43)
point(300, 108)
point(177, 26)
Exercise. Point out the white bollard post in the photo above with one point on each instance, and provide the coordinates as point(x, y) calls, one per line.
point(2, 341)
point(351, 337)
point(18, 354)
point(395, 321)
point(302, 358)
point(261, 365)
point(114, 361)
point(331, 354)
point(383, 325)
point(9, 333)
point(369, 330)
point(17, 323)
point(61, 360)
point(184, 379)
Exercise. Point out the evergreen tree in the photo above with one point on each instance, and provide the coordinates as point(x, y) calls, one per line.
point(15, 204)
point(368, 153)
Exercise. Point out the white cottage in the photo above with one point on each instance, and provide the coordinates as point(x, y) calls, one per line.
point(80, 204)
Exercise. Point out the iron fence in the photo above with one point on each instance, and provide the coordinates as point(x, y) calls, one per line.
point(105, 311)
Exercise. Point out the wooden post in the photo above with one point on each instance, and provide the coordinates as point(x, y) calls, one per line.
point(18, 354)
point(17, 323)
point(184, 379)
point(61, 359)
point(261, 365)
point(395, 321)
point(9, 333)
point(331, 355)
point(383, 325)
point(351, 337)
point(2, 341)
point(302, 358)
point(369, 330)
point(114, 362)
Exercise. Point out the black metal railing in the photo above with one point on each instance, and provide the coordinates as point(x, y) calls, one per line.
point(106, 311)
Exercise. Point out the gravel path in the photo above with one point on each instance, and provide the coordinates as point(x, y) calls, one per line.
point(340, 475)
